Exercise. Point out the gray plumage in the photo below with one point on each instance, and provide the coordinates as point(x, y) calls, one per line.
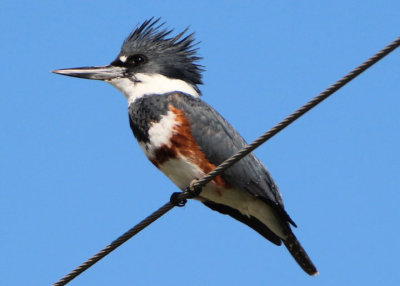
point(217, 139)
point(154, 72)
point(174, 57)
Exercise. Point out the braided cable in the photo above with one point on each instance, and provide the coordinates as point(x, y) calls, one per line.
point(195, 188)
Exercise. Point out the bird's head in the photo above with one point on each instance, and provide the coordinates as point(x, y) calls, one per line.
point(150, 62)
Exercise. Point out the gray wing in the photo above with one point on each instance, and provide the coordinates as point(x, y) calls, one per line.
point(218, 141)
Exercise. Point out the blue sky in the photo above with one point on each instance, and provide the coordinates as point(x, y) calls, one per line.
point(72, 177)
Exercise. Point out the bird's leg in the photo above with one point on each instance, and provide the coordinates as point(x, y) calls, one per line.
point(192, 189)
point(178, 199)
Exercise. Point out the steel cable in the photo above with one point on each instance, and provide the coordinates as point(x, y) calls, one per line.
point(198, 184)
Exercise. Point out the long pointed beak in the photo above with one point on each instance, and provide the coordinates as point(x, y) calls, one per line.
point(98, 73)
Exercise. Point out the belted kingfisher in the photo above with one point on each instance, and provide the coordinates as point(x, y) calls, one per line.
point(186, 138)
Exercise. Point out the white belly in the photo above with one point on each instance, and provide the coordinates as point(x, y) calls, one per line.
point(182, 172)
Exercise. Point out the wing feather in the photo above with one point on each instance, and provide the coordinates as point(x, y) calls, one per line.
point(219, 140)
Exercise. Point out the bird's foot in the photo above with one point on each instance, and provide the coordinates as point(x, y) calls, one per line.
point(192, 190)
point(177, 200)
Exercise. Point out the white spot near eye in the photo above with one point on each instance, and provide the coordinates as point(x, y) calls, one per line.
point(123, 58)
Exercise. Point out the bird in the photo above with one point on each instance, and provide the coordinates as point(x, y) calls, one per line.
point(185, 138)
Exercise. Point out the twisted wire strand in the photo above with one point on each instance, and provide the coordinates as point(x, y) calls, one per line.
point(229, 162)
point(298, 113)
point(113, 245)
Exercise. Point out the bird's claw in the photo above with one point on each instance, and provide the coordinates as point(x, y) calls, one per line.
point(190, 192)
point(176, 200)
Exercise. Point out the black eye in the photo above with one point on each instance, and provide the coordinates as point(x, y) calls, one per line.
point(136, 59)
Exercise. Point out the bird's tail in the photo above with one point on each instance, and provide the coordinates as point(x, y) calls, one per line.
point(299, 254)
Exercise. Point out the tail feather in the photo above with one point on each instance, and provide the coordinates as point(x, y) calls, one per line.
point(299, 254)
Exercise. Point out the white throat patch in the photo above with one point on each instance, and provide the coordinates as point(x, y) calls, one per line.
point(150, 84)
